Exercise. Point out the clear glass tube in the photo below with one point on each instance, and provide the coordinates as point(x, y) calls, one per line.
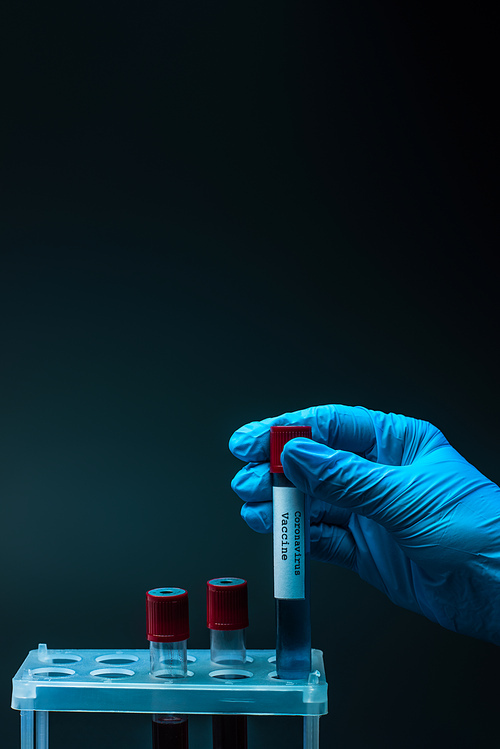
point(170, 731)
point(229, 732)
point(227, 607)
point(167, 617)
point(168, 660)
point(293, 610)
point(293, 639)
point(227, 647)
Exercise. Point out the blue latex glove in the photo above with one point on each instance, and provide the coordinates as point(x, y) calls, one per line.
point(393, 501)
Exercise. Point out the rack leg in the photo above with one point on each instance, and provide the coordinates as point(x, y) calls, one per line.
point(311, 732)
point(42, 729)
point(27, 734)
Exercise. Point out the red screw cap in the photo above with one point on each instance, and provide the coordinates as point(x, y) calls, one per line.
point(167, 614)
point(227, 603)
point(279, 437)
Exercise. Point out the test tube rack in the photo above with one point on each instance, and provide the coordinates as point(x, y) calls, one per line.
point(120, 681)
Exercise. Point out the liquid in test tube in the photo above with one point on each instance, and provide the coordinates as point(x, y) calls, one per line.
point(291, 546)
point(168, 631)
point(227, 619)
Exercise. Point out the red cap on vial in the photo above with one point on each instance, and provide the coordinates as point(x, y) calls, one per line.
point(167, 614)
point(227, 603)
point(279, 437)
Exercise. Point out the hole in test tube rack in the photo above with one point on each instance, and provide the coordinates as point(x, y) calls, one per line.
point(116, 660)
point(191, 658)
point(167, 674)
point(230, 674)
point(272, 659)
point(274, 675)
point(57, 657)
point(115, 673)
point(51, 673)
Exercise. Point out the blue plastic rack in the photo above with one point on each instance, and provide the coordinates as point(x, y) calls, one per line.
point(120, 681)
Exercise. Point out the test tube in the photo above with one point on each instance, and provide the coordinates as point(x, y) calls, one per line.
point(227, 619)
point(291, 546)
point(168, 631)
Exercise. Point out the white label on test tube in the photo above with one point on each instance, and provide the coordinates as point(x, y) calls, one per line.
point(288, 537)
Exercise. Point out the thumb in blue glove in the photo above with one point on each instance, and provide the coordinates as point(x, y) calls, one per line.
point(393, 501)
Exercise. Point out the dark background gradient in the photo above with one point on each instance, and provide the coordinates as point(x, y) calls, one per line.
point(214, 212)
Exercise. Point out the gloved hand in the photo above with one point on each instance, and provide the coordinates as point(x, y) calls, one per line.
point(391, 500)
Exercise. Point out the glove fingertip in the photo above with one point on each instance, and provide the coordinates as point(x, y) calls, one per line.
point(303, 460)
point(256, 518)
point(250, 442)
point(234, 444)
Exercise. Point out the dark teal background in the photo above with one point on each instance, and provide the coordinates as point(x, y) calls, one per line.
point(214, 212)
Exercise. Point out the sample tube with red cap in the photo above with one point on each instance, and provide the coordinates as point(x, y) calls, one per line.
point(227, 619)
point(291, 546)
point(168, 631)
